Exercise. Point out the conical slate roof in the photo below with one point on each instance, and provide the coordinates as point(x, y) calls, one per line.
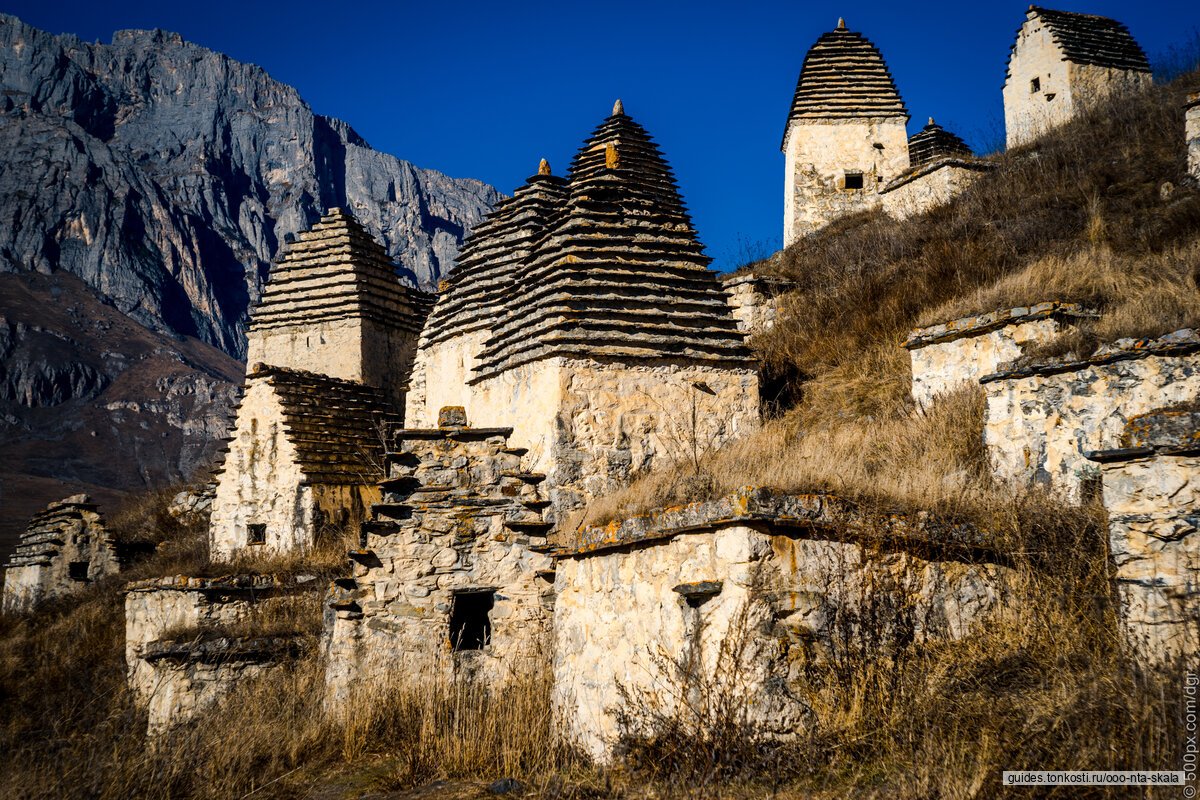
point(1089, 39)
point(473, 294)
point(337, 270)
point(620, 273)
point(934, 142)
point(844, 76)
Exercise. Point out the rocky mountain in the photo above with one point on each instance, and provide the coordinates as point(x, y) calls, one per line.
point(145, 186)
point(166, 176)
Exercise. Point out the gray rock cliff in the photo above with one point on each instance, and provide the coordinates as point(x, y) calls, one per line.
point(166, 176)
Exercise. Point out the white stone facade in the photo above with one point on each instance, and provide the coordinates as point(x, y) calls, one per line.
point(1153, 505)
point(928, 188)
point(819, 155)
point(1041, 421)
point(440, 378)
point(172, 670)
point(591, 425)
point(353, 349)
point(742, 606)
point(1045, 89)
point(958, 353)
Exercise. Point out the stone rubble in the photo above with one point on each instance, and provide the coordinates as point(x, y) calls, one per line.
point(755, 299)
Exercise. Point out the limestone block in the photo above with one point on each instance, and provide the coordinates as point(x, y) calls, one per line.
point(960, 352)
point(1041, 421)
point(754, 300)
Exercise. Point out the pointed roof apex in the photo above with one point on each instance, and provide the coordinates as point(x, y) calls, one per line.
point(841, 26)
point(618, 107)
point(544, 167)
point(931, 122)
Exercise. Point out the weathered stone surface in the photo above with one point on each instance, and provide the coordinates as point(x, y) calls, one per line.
point(769, 583)
point(1192, 134)
point(930, 186)
point(755, 299)
point(334, 306)
point(611, 327)
point(959, 352)
point(174, 677)
point(1152, 495)
point(847, 121)
point(1041, 420)
point(178, 173)
point(1060, 63)
point(65, 548)
point(591, 424)
point(460, 522)
point(304, 458)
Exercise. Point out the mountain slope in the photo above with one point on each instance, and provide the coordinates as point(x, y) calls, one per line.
point(166, 176)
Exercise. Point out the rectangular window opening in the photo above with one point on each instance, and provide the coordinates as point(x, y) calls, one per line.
point(854, 180)
point(256, 534)
point(1035, 85)
point(77, 570)
point(470, 620)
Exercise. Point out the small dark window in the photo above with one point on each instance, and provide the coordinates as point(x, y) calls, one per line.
point(1035, 85)
point(854, 180)
point(470, 623)
point(77, 570)
point(256, 534)
point(1049, 96)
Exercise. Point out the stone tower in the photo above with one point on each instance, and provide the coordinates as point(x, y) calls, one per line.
point(334, 306)
point(616, 348)
point(1060, 63)
point(845, 135)
point(467, 307)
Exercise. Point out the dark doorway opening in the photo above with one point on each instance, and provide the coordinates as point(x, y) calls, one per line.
point(854, 180)
point(256, 534)
point(77, 570)
point(470, 620)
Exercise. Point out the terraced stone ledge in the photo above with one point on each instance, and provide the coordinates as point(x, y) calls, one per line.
point(1180, 343)
point(823, 516)
point(980, 324)
point(221, 649)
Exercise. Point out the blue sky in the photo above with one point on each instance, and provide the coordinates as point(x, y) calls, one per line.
point(486, 89)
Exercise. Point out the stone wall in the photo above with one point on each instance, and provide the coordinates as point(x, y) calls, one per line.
point(929, 187)
point(353, 349)
point(590, 425)
point(1192, 134)
point(741, 594)
point(451, 580)
point(1041, 420)
point(958, 353)
point(176, 664)
point(261, 482)
point(65, 548)
point(1152, 495)
point(754, 299)
point(440, 378)
point(819, 154)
